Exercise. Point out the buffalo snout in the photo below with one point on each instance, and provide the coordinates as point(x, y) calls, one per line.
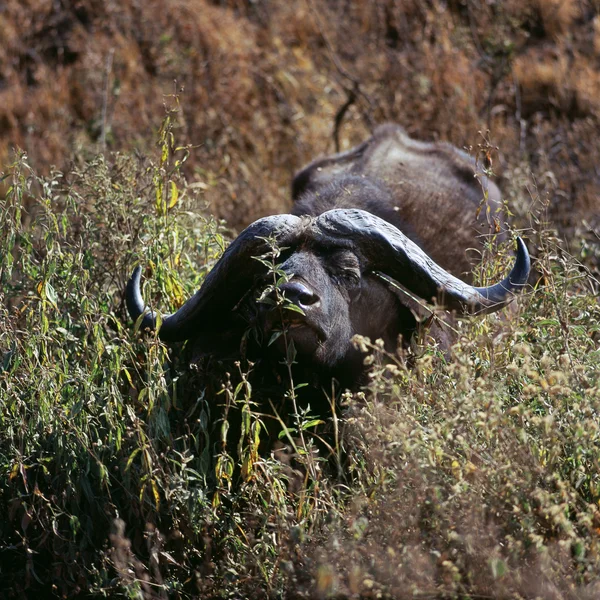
point(300, 316)
point(299, 294)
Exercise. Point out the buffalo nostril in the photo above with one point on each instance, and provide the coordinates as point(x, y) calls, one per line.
point(298, 293)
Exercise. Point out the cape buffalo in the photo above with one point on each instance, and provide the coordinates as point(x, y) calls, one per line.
point(371, 229)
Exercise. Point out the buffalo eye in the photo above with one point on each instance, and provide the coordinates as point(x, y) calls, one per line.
point(345, 267)
point(350, 276)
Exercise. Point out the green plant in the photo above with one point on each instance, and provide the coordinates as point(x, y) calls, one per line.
point(126, 472)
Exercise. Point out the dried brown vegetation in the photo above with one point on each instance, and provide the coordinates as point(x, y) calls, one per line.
point(263, 82)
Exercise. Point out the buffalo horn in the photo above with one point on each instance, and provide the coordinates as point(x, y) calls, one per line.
point(226, 283)
point(388, 250)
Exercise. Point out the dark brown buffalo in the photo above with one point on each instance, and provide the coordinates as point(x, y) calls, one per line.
point(370, 230)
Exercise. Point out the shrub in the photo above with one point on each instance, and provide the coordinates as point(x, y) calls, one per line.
point(126, 472)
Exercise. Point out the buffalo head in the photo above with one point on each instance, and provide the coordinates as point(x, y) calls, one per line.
point(337, 269)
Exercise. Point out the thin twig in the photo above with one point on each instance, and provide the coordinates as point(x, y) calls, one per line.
point(339, 115)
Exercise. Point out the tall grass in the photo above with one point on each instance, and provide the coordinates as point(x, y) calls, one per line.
point(127, 473)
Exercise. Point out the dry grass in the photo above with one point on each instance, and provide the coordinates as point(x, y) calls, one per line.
point(558, 16)
point(263, 82)
point(569, 85)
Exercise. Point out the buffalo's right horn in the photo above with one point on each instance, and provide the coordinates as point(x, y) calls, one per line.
point(227, 282)
point(388, 250)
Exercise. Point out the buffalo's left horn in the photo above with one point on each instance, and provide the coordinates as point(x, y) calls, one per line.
point(227, 282)
point(388, 250)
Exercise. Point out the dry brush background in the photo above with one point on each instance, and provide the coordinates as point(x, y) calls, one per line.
point(264, 81)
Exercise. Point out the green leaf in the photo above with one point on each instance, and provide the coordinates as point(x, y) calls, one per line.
point(267, 300)
point(224, 430)
point(285, 432)
point(263, 261)
point(238, 389)
point(131, 458)
point(547, 322)
point(291, 352)
point(294, 308)
point(312, 423)
point(276, 335)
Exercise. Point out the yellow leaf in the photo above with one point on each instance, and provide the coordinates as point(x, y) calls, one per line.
point(456, 470)
point(470, 467)
point(159, 198)
point(174, 195)
point(126, 372)
point(155, 492)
